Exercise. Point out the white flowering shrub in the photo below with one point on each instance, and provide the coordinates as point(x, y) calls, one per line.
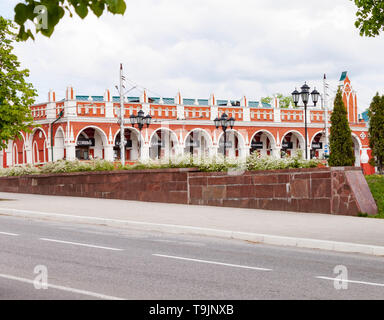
point(19, 171)
point(206, 164)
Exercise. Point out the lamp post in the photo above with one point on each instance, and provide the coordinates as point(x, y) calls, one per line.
point(140, 120)
point(304, 94)
point(224, 122)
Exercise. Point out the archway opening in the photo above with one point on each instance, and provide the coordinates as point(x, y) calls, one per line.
point(291, 143)
point(261, 143)
point(89, 145)
point(163, 144)
point(132, 145)
point(58, 146)
point(197, 144)
point(317, 146)
point(232, 145)
point(39, 147)
point(356, 150)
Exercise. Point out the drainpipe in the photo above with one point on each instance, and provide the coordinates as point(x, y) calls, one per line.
point(60, 116)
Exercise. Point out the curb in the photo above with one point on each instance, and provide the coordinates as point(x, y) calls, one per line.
point(347, 247)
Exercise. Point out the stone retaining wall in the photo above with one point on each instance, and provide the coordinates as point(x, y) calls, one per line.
point(341, 190)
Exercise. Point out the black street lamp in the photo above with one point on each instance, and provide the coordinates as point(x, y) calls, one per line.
point(305, 97)
point(224, 122)
point(140, 120)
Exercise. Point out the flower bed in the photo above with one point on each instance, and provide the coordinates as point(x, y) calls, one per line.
point(211, 164)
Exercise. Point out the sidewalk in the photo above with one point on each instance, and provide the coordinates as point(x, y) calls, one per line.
point(337, 233)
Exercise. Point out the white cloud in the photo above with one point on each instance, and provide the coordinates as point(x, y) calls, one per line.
point(230, 48)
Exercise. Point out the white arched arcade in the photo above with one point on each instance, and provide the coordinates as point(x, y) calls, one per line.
point(262, 141)
point(291, 142)
point(163, 144)
point(198, 143)
point(91, 143)
point(235, 146)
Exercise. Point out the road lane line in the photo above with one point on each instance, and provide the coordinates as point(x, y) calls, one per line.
point(212, 262)
point(81, 244)
point(68, 289)
point(9, 234)
point(353, 281)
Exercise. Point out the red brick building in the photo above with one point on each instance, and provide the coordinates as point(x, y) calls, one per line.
point(89, 128)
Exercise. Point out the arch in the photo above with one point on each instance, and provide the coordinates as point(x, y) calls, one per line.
point(166, 129)
point(268, 133)
point(205, 142)
point(39, 146)
point(96, 149)
point(33, 134)
point(300, 136)
point(167, 147)
point(265, 150)
point(132, 153)
point(317, 153)
point(99, 130)
point(18, 150)
point(138, 133)
point(357, 149)
point(58, 145)
point(238, 135)
point(240, 140)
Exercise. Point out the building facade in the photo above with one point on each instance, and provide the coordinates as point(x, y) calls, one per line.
point(86, 127)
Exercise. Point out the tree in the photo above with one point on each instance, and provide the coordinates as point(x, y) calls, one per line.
point(370, 17)
point(340, 140)
point(16, 95)
point(48, 13)
point(285, 101)
point(376, 130)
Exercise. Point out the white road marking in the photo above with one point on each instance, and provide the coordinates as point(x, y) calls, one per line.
point(212, 262)
point(81, 244)
point(9, 234)
point(353, 281)
point(68, 289)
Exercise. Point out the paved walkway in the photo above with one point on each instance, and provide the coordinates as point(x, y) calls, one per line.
point(354, 230)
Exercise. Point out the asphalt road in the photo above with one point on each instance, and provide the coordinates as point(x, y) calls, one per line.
point(95, 262)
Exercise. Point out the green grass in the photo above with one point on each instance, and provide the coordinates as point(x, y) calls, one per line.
point(376, 184)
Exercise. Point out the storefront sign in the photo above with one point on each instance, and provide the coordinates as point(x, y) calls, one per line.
point(257, 145)
point(158, 144)
point(86, 142)
point(193, 144)
point(287, 145)
point(128, 143)
point(317, 145)
point(227, 145)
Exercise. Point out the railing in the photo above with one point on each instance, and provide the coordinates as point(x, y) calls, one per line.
point(291, 115)
point(235, 112)
point(39, 112)
point(261, 114)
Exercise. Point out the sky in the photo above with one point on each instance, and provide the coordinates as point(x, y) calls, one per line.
point(199, 47)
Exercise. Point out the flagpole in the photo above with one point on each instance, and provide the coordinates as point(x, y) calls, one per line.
point(122, 111)
point(326, 148)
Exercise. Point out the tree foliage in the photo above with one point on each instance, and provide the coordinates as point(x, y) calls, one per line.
point(370, 17)
point(16, 94)
point(52, 11)
point(285, 101)
point(376, 130)
point(340, 140)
